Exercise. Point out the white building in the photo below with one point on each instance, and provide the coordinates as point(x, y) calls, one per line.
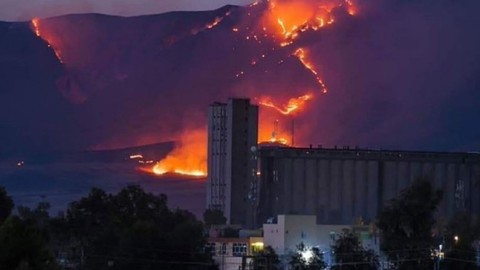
point(229, 253)
point(232, 132)
point(287, 231)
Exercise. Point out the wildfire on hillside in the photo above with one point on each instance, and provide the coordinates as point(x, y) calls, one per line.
point(189, 157)
point(302, 56)
point(284, 21)
point(36, 28)
point(269, 122)
point(293, 105)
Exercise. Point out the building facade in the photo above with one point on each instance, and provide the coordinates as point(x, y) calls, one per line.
point(285, 232)
point(232, 134)
point(340, 186)
point(233, 253)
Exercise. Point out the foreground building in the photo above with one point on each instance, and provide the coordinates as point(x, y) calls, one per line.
point(233, 252)
point(232, 134)
point(340, 186)
point(285, 232)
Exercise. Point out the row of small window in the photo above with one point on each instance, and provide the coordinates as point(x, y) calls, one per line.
point(238, 249)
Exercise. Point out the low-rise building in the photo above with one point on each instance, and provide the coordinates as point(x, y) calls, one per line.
point(286, 232)
point(228, 252)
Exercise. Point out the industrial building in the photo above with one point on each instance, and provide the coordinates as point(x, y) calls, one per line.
point(232, 132)
point(252, 183)
point(341, 186)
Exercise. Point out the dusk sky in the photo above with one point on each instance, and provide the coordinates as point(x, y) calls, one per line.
point(20, 10)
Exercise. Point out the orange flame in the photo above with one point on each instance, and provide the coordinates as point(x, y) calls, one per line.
point(212, 24)
point(293, 105)
point(289, 18)
point(301, 54)
point(38, 33)
point(269, 130)
point(188, 158)
point(36, 27)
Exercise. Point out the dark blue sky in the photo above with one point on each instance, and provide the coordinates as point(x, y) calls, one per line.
point(21, 10)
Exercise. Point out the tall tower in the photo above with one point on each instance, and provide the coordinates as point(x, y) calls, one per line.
point(232, 132)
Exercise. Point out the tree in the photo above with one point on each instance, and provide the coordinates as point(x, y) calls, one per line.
point(132, 229)
point(462, 233)
point(6, 205)
point(214, 217)
point(406, 226)
point(23, 246)
point(305, 258)
point(266, 259)
point(350, 254)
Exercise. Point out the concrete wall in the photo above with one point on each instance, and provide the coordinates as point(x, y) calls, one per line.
point(341, 186)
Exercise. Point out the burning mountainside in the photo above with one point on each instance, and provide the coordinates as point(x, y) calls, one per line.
point(188, 158)
point(48, 39)
point(141, 80)
point(293, 18)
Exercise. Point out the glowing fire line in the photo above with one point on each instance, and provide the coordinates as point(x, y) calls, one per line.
point(36, 29)
point(293, 105)
point(301, 55)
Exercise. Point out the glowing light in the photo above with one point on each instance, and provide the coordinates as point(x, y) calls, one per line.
point(258, 244)
point(307, 255)
point(280, 22)
point(21, 163)
point(136, 156)
point(36, 27)
point(214, 23)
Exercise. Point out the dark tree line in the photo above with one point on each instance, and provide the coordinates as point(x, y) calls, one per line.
point(134, 229)
point(128, 230)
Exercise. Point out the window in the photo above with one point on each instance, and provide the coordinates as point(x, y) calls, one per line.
point(210, 248)
point(239, 249)
point(223, 251)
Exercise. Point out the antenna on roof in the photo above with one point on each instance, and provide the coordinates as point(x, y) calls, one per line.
point(275, 131)
point(293, 131)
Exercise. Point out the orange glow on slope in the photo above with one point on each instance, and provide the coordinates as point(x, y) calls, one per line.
point(270, 131)
point(293, 105)
point(188, 158)
point(289, 18)
point(212, 24)
point(36, 29)
point(269, 128)
point(301, 54)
